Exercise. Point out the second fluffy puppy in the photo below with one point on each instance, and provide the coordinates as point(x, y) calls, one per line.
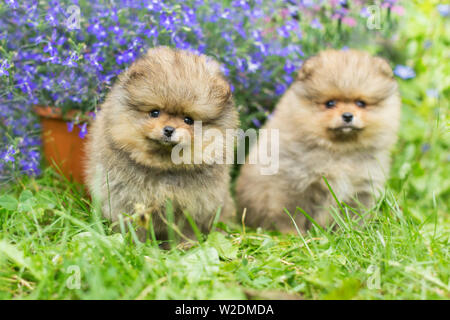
point(338, 120)
point(150, 110)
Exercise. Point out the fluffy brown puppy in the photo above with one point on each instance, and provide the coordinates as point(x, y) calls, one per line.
point(338, 120)
point(149, 111)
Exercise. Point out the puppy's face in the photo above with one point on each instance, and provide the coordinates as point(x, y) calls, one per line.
point(347, 97)
point(158, 100)
point(168, 129)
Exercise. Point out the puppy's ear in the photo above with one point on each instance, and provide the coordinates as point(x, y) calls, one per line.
point(130, 76)
point(220, 88)
point(307, 68)
point(384, 67)
point(220, 91)
point(136, 74)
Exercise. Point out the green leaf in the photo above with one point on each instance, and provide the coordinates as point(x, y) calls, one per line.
point(26, 201)
point(202, 263)
point(8, 202)
point(25, 195)
point(223, 246)
point(17, 257)
point(348, 290)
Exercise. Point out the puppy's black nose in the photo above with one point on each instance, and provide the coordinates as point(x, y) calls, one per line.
point(347, 116)
point(168, 131)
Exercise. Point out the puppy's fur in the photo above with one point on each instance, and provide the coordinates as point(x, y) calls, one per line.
point(129, 157)
point(316, 142)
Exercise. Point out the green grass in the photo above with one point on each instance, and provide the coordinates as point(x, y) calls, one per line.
point(49, 231)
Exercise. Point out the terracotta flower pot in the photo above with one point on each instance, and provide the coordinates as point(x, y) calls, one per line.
point(62, 149)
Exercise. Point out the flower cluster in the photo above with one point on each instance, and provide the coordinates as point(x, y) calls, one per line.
point(404, 72)
point(67, 53)
point(19, 141)
point(444, 9)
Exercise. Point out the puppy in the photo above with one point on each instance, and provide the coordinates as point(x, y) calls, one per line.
point(338, 120)
point(150, 111)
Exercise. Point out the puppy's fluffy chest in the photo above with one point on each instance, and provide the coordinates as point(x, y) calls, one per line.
point(131, 184)
point(171, 183)
point(346, 173)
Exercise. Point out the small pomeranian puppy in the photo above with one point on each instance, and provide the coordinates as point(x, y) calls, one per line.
point(337, 121)
point(148, 112)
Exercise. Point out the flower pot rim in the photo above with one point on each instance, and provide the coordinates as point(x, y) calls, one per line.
point(57, 113)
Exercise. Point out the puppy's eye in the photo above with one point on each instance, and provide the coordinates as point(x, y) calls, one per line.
point(188, 120)
point(360, 103)
point(154, 113)
point(330, 103)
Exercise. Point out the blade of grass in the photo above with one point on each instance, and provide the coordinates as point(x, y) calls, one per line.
point(193, 225)
point(311, 220)
point(170, 223)
point(299, 233)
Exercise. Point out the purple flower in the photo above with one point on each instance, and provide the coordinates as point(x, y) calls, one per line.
point(388, 3)
point(12, 4)
point(70, 125)
point(71, 61)
point(307, 3)
point(253, 65)
point(4, 66)
point(364, 12)
point(61, 41)
point(167, 21)
point(287, 79)
point(151, 33)
point(242, 4)
point(51, 19)
point(97, 30)
point(444, 9)
point(83, 130)
point(49, 49)
point(30, 167)
point(116, 30)
point(94, 61)
point(340, 13)
point(225, 14)
point(285, 30)
point(433, 93)
point(280, 88)
point(189, 16)
point(8, 156)
point(425, 147)
point(155, 5)
point(125, 57)
point(241, 64)
point(289, 67)
point(256, 122)
point(315, 24)
point(404, 72)
point(36, 40)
